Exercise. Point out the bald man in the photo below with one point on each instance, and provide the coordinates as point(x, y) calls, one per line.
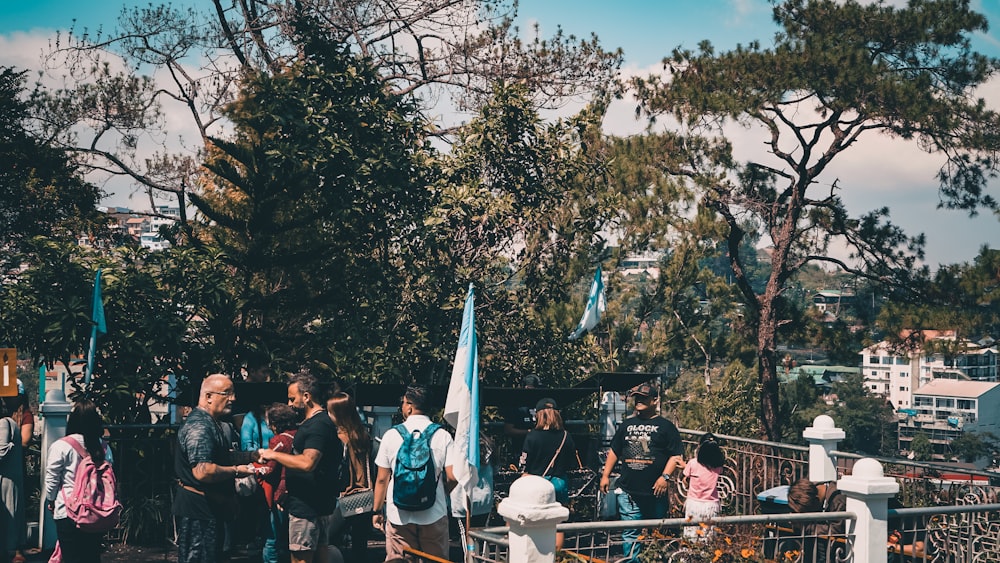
point(206, 465)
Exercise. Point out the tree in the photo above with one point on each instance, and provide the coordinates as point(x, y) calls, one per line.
point(315, 204)
point(725, 409)
point(518, 213)
point(837, 72)
point(150, 302)
point(41, 191)
point(973, 446)
point(868, 421)
point(426, 50)
point(921, 448)
point(960, 297)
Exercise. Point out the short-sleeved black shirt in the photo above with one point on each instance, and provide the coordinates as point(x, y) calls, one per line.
point(643, 447)
point(540, 447)
point(315, 493)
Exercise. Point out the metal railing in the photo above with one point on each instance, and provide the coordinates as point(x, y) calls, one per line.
point(964, 533)
point(791, 538)
point(144, 464)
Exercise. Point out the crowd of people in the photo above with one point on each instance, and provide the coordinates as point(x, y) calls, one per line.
point(303, 457)
point(315, 449)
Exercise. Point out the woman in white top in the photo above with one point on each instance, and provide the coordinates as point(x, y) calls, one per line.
point(11, 482)
point(86, 427)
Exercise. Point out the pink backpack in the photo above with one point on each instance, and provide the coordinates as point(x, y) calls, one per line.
point(93, 504)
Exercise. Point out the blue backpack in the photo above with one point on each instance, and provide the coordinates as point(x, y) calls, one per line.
point(414, 478)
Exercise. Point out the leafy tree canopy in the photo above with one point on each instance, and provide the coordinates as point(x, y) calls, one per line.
point(41, 191)
point(837, 72)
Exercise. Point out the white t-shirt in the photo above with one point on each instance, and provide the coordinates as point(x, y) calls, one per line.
point(386, 458)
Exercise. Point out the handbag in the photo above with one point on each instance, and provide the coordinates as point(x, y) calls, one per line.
point(608, 502)
point(361, 501)
point(56, 556)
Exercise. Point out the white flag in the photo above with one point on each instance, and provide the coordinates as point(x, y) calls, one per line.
point(596, 305)
point(461, 410)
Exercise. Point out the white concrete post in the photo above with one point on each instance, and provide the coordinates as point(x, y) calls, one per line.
point(532, 513)
point(54, 411)
point(823, 437)
point(868, 490)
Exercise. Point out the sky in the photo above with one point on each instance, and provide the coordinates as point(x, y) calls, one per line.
point(877, 173)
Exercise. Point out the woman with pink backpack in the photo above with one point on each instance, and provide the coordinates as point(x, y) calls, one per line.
point(84, 429)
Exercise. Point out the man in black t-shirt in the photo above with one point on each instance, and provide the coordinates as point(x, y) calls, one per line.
point(312, 480)
point(206, 464)
point(649, 448)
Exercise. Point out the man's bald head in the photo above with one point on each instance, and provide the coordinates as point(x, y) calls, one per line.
point(217, 395)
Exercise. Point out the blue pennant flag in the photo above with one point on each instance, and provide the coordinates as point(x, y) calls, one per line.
point(99, 327)
point(596, 305)
point(461, 410)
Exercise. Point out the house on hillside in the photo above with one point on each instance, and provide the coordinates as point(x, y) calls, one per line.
point(945, 408)
point(832, 300)
point(823, 377)
point(641, 264)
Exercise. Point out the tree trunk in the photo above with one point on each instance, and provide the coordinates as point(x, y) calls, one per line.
point(768, 373)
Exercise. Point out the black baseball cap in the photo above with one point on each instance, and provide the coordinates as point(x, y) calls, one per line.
point(546, 403)
point(645, 390)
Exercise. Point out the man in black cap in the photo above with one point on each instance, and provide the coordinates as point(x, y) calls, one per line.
point(650, 449)
point(518, 421)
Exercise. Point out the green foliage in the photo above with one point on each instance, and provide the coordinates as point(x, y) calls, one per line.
point(868, 422)
point(728, 408)
point(518, 214)
point(960, 297)
point(157, 310)
point(316, 205)
point(837, 72)
point(921, 447)
point(41, 193)
point(971, 447)
point(801, 403)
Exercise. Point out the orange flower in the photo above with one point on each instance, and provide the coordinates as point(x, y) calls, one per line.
point(747, 552)
point(718, 555)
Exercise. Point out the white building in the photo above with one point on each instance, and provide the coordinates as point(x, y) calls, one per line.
point(944, 408)
point(638, 264)
point(897, 374)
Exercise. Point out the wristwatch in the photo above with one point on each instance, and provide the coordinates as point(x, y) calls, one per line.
point(666, 476)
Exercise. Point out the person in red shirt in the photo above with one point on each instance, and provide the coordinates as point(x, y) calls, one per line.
point(283, 421)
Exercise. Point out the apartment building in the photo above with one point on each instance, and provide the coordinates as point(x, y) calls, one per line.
point(944, 408)
point(897, 374)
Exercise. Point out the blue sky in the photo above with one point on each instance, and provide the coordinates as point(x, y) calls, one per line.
point(883, 173)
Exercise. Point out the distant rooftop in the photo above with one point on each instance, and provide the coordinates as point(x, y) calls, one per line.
point(956, 388)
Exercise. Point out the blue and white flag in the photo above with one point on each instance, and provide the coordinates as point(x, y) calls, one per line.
point(100, 326)
point(461, 410)
point(596, 305)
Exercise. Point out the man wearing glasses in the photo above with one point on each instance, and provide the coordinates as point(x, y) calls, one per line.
point(206, 465)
